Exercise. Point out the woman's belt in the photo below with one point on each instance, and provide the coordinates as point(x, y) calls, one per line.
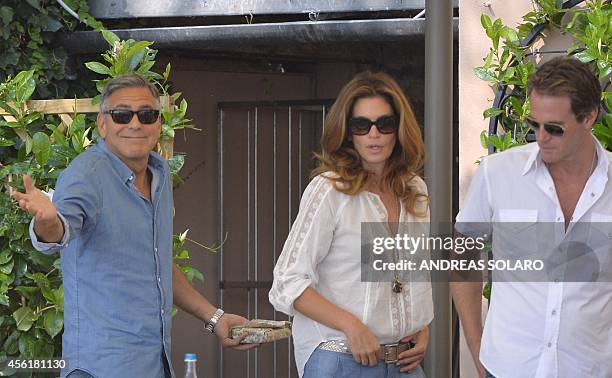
point(387, 352)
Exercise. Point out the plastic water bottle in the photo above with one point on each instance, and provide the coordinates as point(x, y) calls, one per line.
point(190, 365)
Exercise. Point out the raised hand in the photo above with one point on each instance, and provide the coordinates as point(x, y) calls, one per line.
point(47, 224)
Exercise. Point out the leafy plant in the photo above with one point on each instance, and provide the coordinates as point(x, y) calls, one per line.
point(509, 63)
point(126, 57)
point(181, 254)
point(175, 119)
point(27, 32)
point(136, 56)
point(31, 294)
point(591, 27)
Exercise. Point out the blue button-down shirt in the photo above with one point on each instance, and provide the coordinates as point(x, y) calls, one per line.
point(117, 266)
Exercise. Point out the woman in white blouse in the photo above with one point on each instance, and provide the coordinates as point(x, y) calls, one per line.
point(371, 150)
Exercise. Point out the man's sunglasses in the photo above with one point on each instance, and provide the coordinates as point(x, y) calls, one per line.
point(384, 124)
point(551, 128)
point(124, 116)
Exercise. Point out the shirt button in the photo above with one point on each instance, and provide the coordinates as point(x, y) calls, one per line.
point(592, 194)
point(556, 280)
point(554, 312)
point(162, 311)
point(158, 279)
point(558, 218)
point(549, 345)
point(155, 249)
point(550, 188)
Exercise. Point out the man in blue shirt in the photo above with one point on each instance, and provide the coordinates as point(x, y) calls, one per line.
point(111, 215)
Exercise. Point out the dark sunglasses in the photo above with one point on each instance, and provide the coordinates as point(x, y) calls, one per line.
point(384, 124)
point(124, 116)
point(551, 128)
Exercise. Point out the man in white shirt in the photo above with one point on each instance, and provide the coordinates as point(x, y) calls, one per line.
point(555, 328)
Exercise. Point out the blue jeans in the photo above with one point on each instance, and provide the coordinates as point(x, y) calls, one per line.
point(328, 364)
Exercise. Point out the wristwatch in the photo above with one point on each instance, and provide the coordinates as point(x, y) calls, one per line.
point(210, 325)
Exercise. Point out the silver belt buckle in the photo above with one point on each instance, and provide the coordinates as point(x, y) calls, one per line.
point(391, 354)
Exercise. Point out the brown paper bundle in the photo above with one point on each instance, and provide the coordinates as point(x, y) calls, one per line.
point(262, 331)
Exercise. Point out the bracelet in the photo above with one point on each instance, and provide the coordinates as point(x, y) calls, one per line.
point(210, 325)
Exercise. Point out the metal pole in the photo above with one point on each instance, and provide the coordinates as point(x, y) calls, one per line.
point(289, 354)
point(274, 183)
point(220, 209)
point(438, 165)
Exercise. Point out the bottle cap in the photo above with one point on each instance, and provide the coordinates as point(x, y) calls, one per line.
point(190, 357)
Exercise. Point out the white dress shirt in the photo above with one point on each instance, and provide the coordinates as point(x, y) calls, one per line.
point(323, 251)
point(542, 329)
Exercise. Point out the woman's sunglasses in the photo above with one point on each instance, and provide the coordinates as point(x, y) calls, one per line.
point(551, 128)
point(124, 116)
point(384, 124)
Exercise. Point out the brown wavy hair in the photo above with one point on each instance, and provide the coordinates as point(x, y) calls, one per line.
point(567, 76)
point(338, 154)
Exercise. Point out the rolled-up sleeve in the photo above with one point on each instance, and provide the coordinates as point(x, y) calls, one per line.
point(307, 244)
point(77, 202)
point(49, 248)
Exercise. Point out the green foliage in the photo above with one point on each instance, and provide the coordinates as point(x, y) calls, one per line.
point(31, 294)
point(181, 253)
point(176, 163)
point(486, 290)
point(603, 129)
point(510, 65)
point(500, 142)
point(592, 28)
point(27, 33)
point(175, 119)
point(136, 56)
point(125, 57)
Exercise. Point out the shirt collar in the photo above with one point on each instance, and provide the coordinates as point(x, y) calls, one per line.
point(127, 176)
point(535, 160)
point(602, 158)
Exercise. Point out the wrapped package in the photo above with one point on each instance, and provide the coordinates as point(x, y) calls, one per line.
point(262, 331)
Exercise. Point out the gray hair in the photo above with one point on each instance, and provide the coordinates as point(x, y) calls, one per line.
point(131, 80)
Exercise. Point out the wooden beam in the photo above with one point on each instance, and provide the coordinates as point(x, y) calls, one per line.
point(63, 106)
point(66, 121)
point(166, 102)
point(22, 134)
point(70, 106)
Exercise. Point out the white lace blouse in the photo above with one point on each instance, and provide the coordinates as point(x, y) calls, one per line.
point(323, 251)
